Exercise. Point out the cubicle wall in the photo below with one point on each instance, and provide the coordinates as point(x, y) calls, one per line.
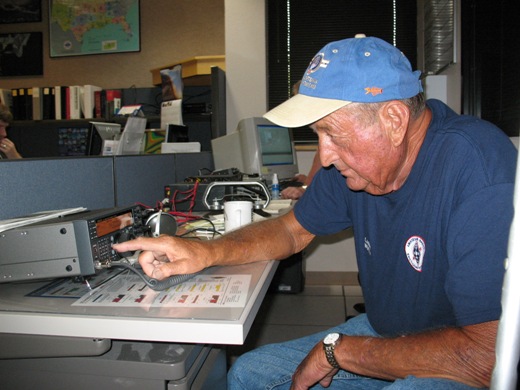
point(142, 178)
point(32, 185)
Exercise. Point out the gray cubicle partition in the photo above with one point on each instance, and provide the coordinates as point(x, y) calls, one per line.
point(142, 178)
point(31, 185)
point(192, 164)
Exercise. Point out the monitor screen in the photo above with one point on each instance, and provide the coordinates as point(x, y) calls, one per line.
point(103, 138)
point(73, 141)
point(276, 143)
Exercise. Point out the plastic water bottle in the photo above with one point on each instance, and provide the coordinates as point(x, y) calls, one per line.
point(275, 187)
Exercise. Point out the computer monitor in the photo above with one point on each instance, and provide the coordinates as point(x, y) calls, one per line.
point(103, 138)
point(257, 147)
point(73, 141)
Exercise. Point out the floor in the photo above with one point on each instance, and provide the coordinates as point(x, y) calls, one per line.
point(288, 316)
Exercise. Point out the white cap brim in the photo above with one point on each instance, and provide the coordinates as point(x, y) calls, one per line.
point(302, 110)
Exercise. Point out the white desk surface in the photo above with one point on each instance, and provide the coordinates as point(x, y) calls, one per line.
point(20, 314)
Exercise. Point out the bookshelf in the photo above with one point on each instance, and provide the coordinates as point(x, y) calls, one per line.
point(204, 113)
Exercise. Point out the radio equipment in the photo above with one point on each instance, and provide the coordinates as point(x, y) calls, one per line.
point(68, 246)
point(217, 193)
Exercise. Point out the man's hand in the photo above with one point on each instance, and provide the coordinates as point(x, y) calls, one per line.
point(9, 149)
point(292, 193)
point(313, 369)
point(464, 354)
point(165, 256)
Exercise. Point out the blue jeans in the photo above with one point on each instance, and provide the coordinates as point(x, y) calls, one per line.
point(271, 366)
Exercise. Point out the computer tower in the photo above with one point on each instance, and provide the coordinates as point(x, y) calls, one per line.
point(290, 276)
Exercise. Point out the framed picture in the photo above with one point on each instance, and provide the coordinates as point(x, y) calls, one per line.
point(27, 11)
point(100, 27)
point(21, 54)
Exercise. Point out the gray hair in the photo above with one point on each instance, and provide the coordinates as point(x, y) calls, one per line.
point(366, 112)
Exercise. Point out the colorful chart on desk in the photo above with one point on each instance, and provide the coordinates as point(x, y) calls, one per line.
point(203, 291)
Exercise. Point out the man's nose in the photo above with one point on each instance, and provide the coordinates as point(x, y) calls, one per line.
point(327, 152)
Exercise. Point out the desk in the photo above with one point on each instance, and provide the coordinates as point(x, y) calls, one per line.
point(139, 348)
point(20, 314)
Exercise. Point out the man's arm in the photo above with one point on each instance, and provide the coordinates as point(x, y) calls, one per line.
point(272, 239)
point(464, 354)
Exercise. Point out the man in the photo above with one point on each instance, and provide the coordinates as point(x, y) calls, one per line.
point(428, 194)
point(7, 147)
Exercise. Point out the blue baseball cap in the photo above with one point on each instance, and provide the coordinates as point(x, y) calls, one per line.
point(361, 69)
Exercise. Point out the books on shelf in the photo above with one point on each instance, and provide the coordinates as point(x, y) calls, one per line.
point(63, 102)
point(107, 103)
point(35, 103)
point(22, 103)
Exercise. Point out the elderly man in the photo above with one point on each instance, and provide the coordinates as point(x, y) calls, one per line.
point(7, 147)
point(429, 195)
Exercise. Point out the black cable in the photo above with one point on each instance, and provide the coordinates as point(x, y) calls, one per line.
point(209, 230)
point(213, 228)
point(157, 285)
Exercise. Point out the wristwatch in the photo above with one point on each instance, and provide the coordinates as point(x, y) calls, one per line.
point(329, 344)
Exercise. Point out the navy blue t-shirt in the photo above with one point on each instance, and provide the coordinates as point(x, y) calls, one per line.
point(430, 254)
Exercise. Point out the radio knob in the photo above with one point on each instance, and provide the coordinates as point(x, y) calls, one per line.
point(122, 237)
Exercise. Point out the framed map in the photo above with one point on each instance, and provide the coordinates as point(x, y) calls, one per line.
point(86, 27)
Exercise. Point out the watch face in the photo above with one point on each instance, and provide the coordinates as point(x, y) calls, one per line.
point(331, 338)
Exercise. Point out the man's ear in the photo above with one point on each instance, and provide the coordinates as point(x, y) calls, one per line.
point(395, 116)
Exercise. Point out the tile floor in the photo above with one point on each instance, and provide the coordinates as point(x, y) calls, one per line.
point(287, 316)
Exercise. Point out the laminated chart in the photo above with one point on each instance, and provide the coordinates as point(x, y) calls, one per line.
point(201, 291)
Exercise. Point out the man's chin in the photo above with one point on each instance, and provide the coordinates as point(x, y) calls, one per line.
point(355, 185)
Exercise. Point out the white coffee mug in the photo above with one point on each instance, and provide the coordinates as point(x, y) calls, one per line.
point(237, 213)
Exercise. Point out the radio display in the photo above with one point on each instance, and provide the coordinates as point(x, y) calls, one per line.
point(113, 224)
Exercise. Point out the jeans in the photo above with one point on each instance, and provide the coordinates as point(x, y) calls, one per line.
point(271, 366)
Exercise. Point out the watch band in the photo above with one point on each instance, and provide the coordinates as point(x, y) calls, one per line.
point(329, 354)
point(329, 351)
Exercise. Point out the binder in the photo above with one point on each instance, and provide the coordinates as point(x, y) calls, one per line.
point(89, 100)
point(37, 103)
point(28, 103)
point(48, 111)
point(60, 102)
point(17, 106)
point(74, 107)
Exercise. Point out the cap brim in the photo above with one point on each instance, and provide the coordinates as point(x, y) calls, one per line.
point(302, 110)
